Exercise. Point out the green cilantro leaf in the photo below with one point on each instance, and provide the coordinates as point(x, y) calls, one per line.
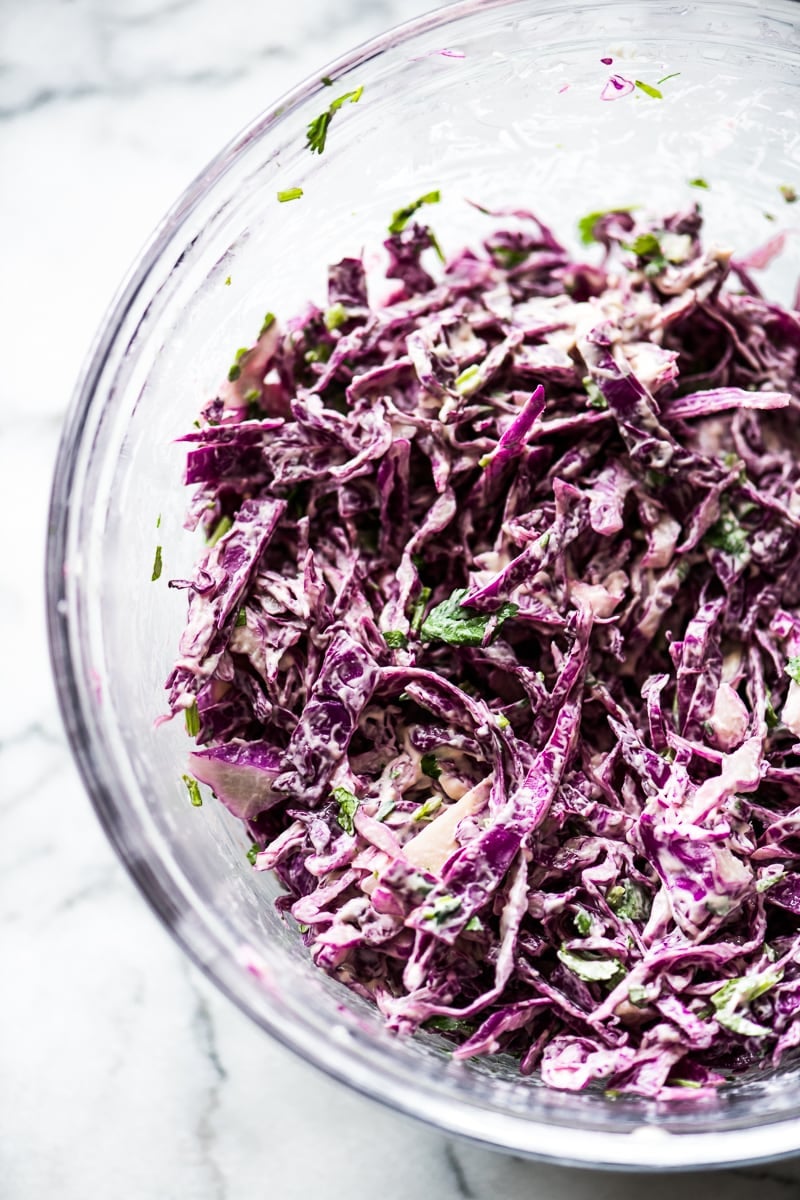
point(699, 182)
point(335, 316)
point(628, 901)
point(395, 639)
point(449, 1025)
point(474, 925)
point(449, 622)
point(292, 193)
point(403, 215)
point(241, 618)
point(586, 225)
point(643, 245)
point(638, 996)
point(664, 78)
point(193, 790)
point(235, 370)
point(430, 767)
point(649, 90)
point(582, 922)
point(728, 535)
point(348, 807)
point(509, 257)
point(792, 668)
point(157, 565)
point(252, 853)
point(268, 322)
point(319, 354)
point(788, 192)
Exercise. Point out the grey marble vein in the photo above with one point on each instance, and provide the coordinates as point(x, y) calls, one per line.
point(205, 1035)
point(463, 1188)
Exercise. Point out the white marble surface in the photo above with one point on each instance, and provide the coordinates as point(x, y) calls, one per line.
point(123, 1075)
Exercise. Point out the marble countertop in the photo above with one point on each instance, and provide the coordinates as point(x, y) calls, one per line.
point(124, 1074)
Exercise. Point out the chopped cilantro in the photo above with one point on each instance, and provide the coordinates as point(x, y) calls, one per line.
point(268, 322)
point(474, 925)
point(770, 716)
point(435, 244)
point(220, 529)
point(586, 225)
point(644, 245)
point(449, 1024)
point(158, 521)
point(427, 809)
point(664, 78)
point(740, 992)
point(638, 996)
point(767, 881)
point(326, 81)
point(317, 132)
point(292, 193)
point(466, 379)
point(236, 368)
point(348, 807)
point(319, 354)
point(385, 810)
point(502, 721)
point(252, 853)
point(792, 668)
point(335, 316)
point(582, 922)
point(418, 612)
point(449, 622)
point(596, 397)
point(157, 565)
point(395, 639)
point(699, 182)
point(402, 216)
point(728, 535)
point(191, 719)
point(430, 766)
point(628, 901)
point(241, 618)
point(193, 790)
point(227, 281)
point(788, 192)
point(649, 90)
point(442, 908)
point(509, 257)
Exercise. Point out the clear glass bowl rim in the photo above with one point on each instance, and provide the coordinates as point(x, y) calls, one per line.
point(648, 1148)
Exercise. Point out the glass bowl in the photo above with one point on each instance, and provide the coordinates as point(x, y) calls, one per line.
point(504, 103)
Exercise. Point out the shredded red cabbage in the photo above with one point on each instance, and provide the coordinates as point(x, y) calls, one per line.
point(497, 646)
